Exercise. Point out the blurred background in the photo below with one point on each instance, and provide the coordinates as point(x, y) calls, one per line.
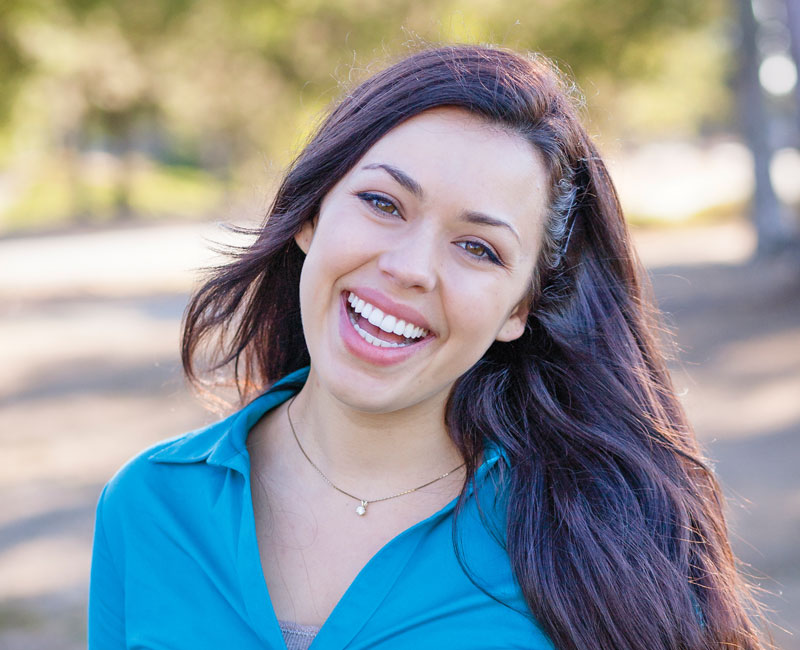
point(130, 130)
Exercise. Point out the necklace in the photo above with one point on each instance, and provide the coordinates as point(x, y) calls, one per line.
point(361, 510)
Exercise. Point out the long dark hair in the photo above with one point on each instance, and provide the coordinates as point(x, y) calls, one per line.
point(615, 527)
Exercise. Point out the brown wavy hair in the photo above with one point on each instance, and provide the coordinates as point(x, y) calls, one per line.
point(615, 526)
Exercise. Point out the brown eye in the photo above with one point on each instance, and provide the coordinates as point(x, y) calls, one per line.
point(379, 203)
point(481, 252)
point(384, 206)
point(475, 249)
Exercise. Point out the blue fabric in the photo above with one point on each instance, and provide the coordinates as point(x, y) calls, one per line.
point(176, 562)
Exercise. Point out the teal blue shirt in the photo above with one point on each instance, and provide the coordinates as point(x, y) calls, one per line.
point(176, 562)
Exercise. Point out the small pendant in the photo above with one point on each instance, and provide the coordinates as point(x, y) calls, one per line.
point(362, 509)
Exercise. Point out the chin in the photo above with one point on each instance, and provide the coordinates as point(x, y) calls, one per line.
point(376, 397)
point(369, 392)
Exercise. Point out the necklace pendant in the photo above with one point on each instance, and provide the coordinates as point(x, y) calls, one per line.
point(362, 509)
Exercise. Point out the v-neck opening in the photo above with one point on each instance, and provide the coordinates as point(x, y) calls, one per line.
point(331, 634)
point(366, 608)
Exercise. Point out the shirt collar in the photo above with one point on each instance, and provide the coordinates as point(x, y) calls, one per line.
point(224, 443)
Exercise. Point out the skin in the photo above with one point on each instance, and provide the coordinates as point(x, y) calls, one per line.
point(375, 430)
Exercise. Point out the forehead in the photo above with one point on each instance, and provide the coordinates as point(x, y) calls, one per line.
point(482, 164)
point(435, 130)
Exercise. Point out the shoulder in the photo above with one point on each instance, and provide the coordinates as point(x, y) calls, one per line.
point(187, 472)
point(159, 469)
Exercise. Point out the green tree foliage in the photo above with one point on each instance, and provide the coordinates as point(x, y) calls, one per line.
point(225, 85)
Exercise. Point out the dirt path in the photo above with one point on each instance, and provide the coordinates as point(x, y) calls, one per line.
point(89, 377)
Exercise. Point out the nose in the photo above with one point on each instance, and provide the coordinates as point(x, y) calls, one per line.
point(410, 259)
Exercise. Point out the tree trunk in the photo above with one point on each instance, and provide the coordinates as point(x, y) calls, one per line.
point(755, 120)
point(793, 21)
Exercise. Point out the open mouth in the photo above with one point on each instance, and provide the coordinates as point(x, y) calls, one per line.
point(379, 328)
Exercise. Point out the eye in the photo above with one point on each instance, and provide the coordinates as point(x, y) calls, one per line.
point(480, 251)
point(379, 203)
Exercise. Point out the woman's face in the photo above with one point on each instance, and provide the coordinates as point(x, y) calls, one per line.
point(439, 226)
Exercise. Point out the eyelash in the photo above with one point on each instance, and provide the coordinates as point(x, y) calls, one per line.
point(488, 255)
point(372, 200)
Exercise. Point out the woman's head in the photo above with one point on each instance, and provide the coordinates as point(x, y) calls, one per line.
point(523, 97)
point(437, 227)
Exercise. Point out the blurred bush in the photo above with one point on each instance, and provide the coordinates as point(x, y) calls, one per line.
point(111, 109)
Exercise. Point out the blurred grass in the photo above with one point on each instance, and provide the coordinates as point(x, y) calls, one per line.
point(54, 198)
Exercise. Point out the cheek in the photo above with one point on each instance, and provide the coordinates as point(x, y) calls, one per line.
point(340, 246)
point(336, 247)
point(477, 307)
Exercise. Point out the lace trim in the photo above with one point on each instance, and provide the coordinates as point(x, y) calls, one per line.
point(290, 627)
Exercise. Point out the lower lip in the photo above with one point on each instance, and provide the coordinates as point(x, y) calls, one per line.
point(357, 346)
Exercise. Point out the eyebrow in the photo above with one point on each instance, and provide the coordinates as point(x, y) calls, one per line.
point(400, 176)
point(471, 216)
point(486, 220)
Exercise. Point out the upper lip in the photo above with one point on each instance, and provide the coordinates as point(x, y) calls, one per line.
point(389, 306)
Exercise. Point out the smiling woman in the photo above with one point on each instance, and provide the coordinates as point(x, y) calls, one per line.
point(457, 429)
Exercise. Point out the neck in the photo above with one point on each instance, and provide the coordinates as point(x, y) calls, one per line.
point(373, 451)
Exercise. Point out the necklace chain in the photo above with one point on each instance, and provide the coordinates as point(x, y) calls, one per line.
point(361, 509)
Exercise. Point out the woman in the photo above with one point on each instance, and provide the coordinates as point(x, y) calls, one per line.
point(465, 436)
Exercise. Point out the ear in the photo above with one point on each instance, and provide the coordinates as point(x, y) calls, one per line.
point(305, 235)
point(514, 326)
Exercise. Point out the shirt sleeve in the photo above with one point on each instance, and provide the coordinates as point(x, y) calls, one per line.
point(106, 592)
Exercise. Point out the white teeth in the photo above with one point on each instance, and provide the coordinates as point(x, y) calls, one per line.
point(388, 323)
point(375, 317)
point(373, 340)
